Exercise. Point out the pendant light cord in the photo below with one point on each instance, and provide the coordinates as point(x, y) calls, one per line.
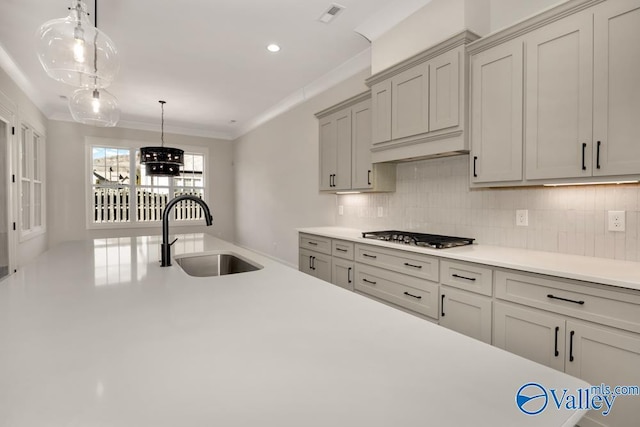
point(162, 123)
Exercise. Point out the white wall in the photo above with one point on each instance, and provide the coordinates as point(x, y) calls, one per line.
point(507, 12)
point(276, 174)
point(428, 26)
point(433, 196)
point(66, 195)
point(27, 112)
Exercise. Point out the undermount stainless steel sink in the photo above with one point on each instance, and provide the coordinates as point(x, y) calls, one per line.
point(215, 264)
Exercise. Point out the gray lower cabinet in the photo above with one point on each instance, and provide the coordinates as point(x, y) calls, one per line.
point(466, 312)
point(315, 264)
point(552, 321)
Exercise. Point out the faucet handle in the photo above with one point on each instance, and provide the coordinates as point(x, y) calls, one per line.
point(174, 240)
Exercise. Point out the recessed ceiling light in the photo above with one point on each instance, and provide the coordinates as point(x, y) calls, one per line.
point(273, 48)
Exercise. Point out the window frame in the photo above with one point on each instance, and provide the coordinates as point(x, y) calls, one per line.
point(35, 166)
point(133, 146)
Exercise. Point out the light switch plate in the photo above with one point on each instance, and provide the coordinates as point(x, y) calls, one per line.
point(380, 211)
point(616, 220)
point(522, 218)
point(340, 210)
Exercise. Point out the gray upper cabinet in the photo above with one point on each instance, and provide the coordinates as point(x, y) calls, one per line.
point(444, 86)
point(381, 112)
point(496, 114)
point(559, 98)
point(410, 102)
point(581, 98)
point(616, 90)
point(345, 149)
point(335, 151)
point(418, 105)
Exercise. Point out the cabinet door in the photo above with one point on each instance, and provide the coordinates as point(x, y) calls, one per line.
point(381, 112)
point(559, 99)
point(410, 102)
point(609, 356)
point(466, 313)
point(321, 265)
point(530, 333)
point(328, 152)
point(342, 178)
point(361, 167)
point(304, 261)
point(616, 90)
point(444, 90)
point(342, 273)
point(496, 114)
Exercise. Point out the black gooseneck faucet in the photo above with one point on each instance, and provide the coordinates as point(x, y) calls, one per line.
point(165, 249)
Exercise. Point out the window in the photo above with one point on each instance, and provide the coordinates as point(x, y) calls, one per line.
point(31, 150)
point(121, 193)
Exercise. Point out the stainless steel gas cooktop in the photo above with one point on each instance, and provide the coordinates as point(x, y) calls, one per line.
point(434, 241)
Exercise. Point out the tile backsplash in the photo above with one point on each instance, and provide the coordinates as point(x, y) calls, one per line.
point(433, 196)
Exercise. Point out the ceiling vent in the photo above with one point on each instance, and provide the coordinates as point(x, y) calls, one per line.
point(333, 11)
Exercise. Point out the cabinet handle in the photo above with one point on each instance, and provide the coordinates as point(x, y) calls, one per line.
point(369, 281)
point(370, 256)
point(310, 265)
point(341, 250)
point(332, 181)
point(349, 275)
point(475, 159)
point(413, 296)
point(556, 344)
point(598, 155)
point(584, 151)
point(412, 265)
point(369, 177)
point(442, 305)
point(565, 299)
point(571, 334)
point(473, 279)
point(313, 243)
point(313, 263)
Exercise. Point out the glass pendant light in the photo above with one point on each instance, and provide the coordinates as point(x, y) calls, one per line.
point(73, 51)
point(95, 107)
point(162, 161)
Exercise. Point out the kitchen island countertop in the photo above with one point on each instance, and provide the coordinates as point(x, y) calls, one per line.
point(96, 333)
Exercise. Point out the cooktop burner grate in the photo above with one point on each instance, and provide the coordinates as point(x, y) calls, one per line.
point(434, 241)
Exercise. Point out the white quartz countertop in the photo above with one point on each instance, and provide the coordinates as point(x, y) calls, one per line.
point(625, 274)
point(96, 333)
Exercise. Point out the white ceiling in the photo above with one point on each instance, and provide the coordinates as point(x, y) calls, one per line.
point(206, 58)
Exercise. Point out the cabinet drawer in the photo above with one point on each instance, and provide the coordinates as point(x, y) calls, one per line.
point(315, 243)
point(342, 249)
point(600, 304)
point(414, 294)
point(414, 264)
point(467, 276)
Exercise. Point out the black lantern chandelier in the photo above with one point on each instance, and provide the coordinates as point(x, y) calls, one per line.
point(162, 161)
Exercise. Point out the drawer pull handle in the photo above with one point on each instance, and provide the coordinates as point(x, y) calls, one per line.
point(369, 281)
point(473, 279)
point(556, 345)
point(412, 265)
point(413, 296)
point(571, 334)
point(370, 256)
point(341, 250)
point(565, 299)
point(313, 243)
point(349, 275)
point(442, 305)
point(313, 263)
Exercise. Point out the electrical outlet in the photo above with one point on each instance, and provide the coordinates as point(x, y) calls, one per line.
point(340, 210)
point(616, 220)
point(522, 218)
